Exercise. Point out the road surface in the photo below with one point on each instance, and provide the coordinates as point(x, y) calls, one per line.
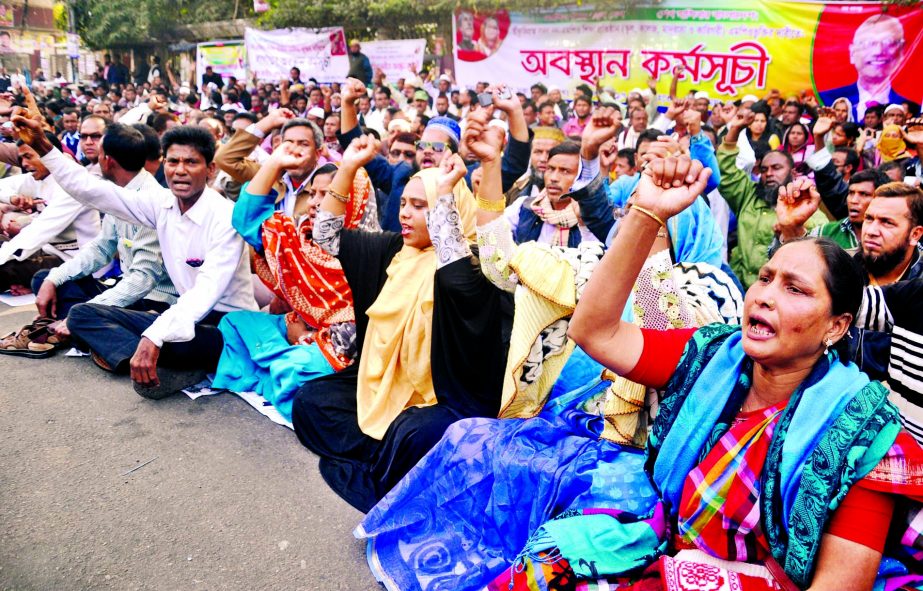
point(228, 501)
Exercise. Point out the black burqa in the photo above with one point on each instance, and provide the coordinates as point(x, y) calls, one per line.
point(472, 321)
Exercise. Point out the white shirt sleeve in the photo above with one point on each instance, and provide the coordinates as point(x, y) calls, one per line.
point(52, 221)
point(132, 206)
point(177, 324)
point(137, 114)
point(14, 185)
point(746, 157)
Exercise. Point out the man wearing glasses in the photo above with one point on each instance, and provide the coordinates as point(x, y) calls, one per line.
point(92, 129)
point(439, 140)
point(876, 51)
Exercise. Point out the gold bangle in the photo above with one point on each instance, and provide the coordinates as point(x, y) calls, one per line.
point(338, 196)
point(494, 205)
point(649, 214)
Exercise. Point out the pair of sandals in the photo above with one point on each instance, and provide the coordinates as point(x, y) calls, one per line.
point(34, 341)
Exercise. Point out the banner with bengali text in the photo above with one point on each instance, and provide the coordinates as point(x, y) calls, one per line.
point(226, 58)
point(318, 53)
point(397, 59)
point(729, 49)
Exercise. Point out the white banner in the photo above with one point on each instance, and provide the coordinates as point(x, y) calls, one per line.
point(318, 53)
point(397, 59)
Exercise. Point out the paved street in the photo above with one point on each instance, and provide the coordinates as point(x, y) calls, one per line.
point(230, 501)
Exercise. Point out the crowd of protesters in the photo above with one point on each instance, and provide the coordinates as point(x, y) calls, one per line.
point(555, 339)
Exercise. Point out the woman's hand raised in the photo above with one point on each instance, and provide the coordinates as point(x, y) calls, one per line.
point(670, 185)
point(361, 151)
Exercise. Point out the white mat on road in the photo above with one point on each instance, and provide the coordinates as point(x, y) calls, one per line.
point(263, 406)
point(14, 301)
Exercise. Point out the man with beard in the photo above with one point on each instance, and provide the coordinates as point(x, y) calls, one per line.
point(544, 139)
point(800, 199)
point(235, 158)
point(438, 141)
point(753, 203)
point(891, 232)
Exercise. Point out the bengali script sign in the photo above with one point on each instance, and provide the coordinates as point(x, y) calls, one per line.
point(318, 53)
point(397, 59)
point(730, 49)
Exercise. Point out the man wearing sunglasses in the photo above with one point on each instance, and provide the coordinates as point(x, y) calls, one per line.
point(92, 129)
point(438, 141)
point(403, 149)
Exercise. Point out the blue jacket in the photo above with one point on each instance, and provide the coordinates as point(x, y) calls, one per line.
point(595, 212)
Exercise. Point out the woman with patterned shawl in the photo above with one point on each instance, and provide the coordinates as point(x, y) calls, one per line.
point(274, 354)
point(464, 512)
point(775, 464)
point(425, 316)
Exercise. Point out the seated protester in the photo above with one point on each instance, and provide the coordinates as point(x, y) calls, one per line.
point(438, 142)
point(497, 475)
point(693, 235)
point(144, 284)
point(802, 199)
point(891, 147)
point(55, 234)
point(425, 315)
point(544, 139)
point(274, 354)
point(573, 206)
point(753, 203)
point(202, 253)
point(734, 398)
point(234, 157)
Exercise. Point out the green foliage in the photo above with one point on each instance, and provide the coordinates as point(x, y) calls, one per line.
point(121, 23)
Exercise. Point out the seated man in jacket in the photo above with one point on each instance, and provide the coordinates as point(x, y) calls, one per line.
point(234, 156)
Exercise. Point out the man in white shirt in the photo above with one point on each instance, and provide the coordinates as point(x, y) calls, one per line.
point(203, 254)
point(145, 284)
point(55, 234)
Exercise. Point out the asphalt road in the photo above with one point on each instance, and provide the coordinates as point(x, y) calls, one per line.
point(230, 501)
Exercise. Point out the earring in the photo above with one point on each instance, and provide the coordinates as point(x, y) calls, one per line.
point(828, 343)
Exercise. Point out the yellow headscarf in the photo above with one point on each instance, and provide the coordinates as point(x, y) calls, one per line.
point(394, 369)
point(892, 148)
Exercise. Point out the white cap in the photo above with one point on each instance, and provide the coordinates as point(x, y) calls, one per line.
point(316, 112)
point(700, 95)
point(231, 107)
point(499, 123)
point(750, 98)
point(184, 90)
point(890, 108)
point(400, 125)
point(445, 78)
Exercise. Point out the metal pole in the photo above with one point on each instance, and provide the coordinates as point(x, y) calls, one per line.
point(71, 30)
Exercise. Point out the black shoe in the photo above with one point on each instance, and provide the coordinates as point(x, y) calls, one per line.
point(171, 382)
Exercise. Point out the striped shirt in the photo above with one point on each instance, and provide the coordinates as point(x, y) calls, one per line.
point(898, 309)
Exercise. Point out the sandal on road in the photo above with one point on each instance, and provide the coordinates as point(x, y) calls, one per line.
point(31, 341)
